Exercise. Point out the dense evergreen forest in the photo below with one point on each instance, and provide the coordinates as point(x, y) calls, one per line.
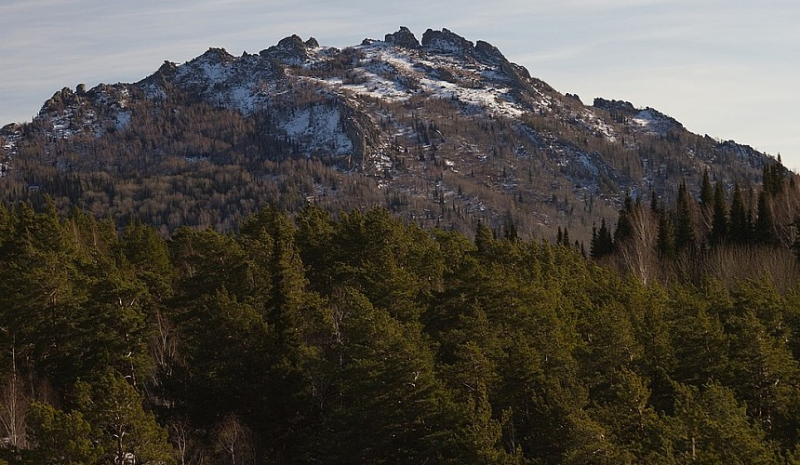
point(357, 338)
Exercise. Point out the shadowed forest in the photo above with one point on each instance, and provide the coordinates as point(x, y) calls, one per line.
point(356, 338)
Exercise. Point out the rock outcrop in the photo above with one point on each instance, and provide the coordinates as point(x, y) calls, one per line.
point(403, 38)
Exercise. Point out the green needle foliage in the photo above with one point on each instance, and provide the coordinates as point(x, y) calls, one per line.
point(356, 338)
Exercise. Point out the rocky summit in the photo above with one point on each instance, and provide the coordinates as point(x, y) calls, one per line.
point(441, 131)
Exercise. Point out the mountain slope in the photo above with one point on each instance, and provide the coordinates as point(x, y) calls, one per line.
point(440, 130)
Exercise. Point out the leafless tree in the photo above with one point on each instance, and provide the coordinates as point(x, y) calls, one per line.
point(13, 405)
point(638, 252)
point(164, 343)
point(179, 435)
point(234, 440)
point(732, 264)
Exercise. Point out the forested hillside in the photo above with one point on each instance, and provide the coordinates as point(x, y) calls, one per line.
point(356, 338)
point(746, 233)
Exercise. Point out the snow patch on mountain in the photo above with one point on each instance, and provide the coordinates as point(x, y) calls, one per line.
point(122, 120)
point(319, 128)
point(396, 74)
point(652, 121)
point(244, 84)
point(588, 164)
point(598, 126)
point(9, 137)
point(68, 124)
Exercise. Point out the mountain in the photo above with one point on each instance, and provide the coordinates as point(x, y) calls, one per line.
point(442, 131)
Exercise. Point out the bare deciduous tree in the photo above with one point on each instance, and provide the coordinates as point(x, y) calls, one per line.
point(234, 439)
point(638, 253)
point(13, 405)
point(164, 344)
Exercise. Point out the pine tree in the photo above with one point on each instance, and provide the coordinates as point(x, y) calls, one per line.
point(120, 425)
point(147, 253)
point(760, 358)
point(314, 241)
point(390, 406)
point(61, 437)
point(714, 428)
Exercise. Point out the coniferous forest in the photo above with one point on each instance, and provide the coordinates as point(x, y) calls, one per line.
point(356, 338)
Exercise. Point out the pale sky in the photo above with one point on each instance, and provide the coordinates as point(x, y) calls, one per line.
point(726, 68)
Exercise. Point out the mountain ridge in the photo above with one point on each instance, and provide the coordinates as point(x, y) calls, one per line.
point(420, 124)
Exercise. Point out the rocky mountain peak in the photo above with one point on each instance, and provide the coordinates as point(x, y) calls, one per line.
point(449, 43)
point(403, 38)
point(646, 120)
point(488, 53)
point(289, 50)
point(217, 54)
point(613, 105)
point(446, 42)
point(168, 69)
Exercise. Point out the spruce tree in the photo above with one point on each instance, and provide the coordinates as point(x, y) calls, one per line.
point(602, 243)
point(739, 226)
point(666, 235)
point(719, 225)
point(624, 227)
point(654, 204)
point(684, 226)
point(764, 227)
point(706, 192)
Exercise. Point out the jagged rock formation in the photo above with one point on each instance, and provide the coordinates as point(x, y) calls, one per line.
point(402, 38)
